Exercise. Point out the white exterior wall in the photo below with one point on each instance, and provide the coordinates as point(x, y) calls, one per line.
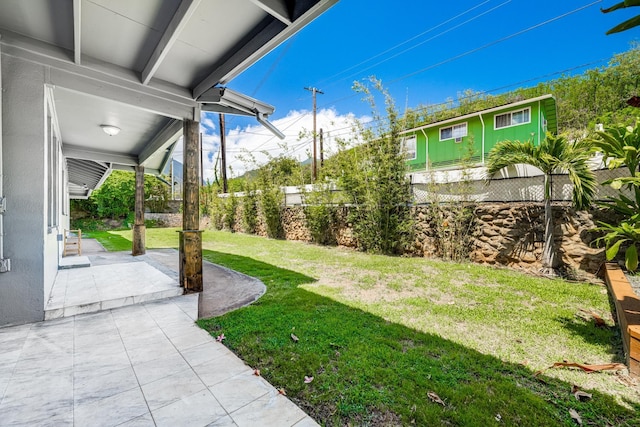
point(32, 249)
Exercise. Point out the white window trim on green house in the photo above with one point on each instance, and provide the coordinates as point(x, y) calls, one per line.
point(410, 147)
point(458, 131)
point(511, 120)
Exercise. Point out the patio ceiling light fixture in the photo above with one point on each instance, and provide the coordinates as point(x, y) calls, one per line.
point(227, 101)
point(110, 130)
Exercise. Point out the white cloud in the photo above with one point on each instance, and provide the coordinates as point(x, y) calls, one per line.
point(254, 140)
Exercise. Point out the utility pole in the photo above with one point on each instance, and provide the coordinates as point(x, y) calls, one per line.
point(321, 150)
point(314, 168)
point(223, 154)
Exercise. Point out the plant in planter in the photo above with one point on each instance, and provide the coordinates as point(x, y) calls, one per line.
point(620, 145)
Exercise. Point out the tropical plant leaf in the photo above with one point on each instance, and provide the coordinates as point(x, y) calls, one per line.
point(631, 258)
point(612, 250)
point(616, 184)
point(621, 5)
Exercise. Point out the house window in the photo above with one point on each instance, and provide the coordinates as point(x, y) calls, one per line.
point(409, 145)
point(513, 118)
point(455, 131)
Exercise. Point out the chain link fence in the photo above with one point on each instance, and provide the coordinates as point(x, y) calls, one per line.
point(523, 189)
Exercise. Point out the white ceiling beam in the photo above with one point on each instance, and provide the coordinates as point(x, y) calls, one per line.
point(163, 139)
point(169, 37)
point(120, 93)
point(102, 79)
point(77, 31)
point(275, 8)
point(75, 152)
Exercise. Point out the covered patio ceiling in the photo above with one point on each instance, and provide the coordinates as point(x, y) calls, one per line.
point(142, 66)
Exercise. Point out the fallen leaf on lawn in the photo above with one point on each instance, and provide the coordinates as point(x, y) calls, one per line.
point(627, 380)
point(435, 398)
point(220, 338)
point(295, 338)
point(307, 379)
point(256, 372)
point(590, 368)
point(575, 416)
point(597, 320)
point(582, 396)
point(281, 391)
point(579, 394)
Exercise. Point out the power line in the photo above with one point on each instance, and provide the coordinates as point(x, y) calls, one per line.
point(403, 43)
point(495, 42)
point(336, 132)
point(451, 59)
point(428, 40)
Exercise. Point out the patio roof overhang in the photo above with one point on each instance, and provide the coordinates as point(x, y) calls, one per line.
point(143, 66)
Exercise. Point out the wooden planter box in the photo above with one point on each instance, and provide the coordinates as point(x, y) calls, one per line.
point(628, 311)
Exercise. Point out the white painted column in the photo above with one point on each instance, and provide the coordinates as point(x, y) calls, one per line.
point(25, 222)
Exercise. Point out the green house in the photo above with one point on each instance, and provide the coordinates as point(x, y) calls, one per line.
point(469, 138)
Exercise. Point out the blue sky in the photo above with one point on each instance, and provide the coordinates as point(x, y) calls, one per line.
point(424, 52)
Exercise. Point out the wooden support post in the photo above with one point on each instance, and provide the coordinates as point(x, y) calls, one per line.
point(138, 244)
point(190, 236)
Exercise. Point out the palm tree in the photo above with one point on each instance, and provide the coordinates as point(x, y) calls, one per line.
point(554, 155)
point(630, 23)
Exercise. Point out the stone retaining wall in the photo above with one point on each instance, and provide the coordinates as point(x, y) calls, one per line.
point(174, 220)
point(513, 234)
point(509, 234)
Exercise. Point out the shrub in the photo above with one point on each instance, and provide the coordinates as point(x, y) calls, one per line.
point(320, 215)
point(230, 207)
point(271, 199)
point(250, 210)
point(374, 176)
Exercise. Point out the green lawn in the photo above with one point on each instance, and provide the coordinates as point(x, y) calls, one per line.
point(379, 333)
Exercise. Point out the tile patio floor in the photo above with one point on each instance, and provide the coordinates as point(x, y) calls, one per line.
point(110, 280)
point(146, 364)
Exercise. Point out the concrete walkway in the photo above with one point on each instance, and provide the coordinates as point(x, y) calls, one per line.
point(145, 364)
